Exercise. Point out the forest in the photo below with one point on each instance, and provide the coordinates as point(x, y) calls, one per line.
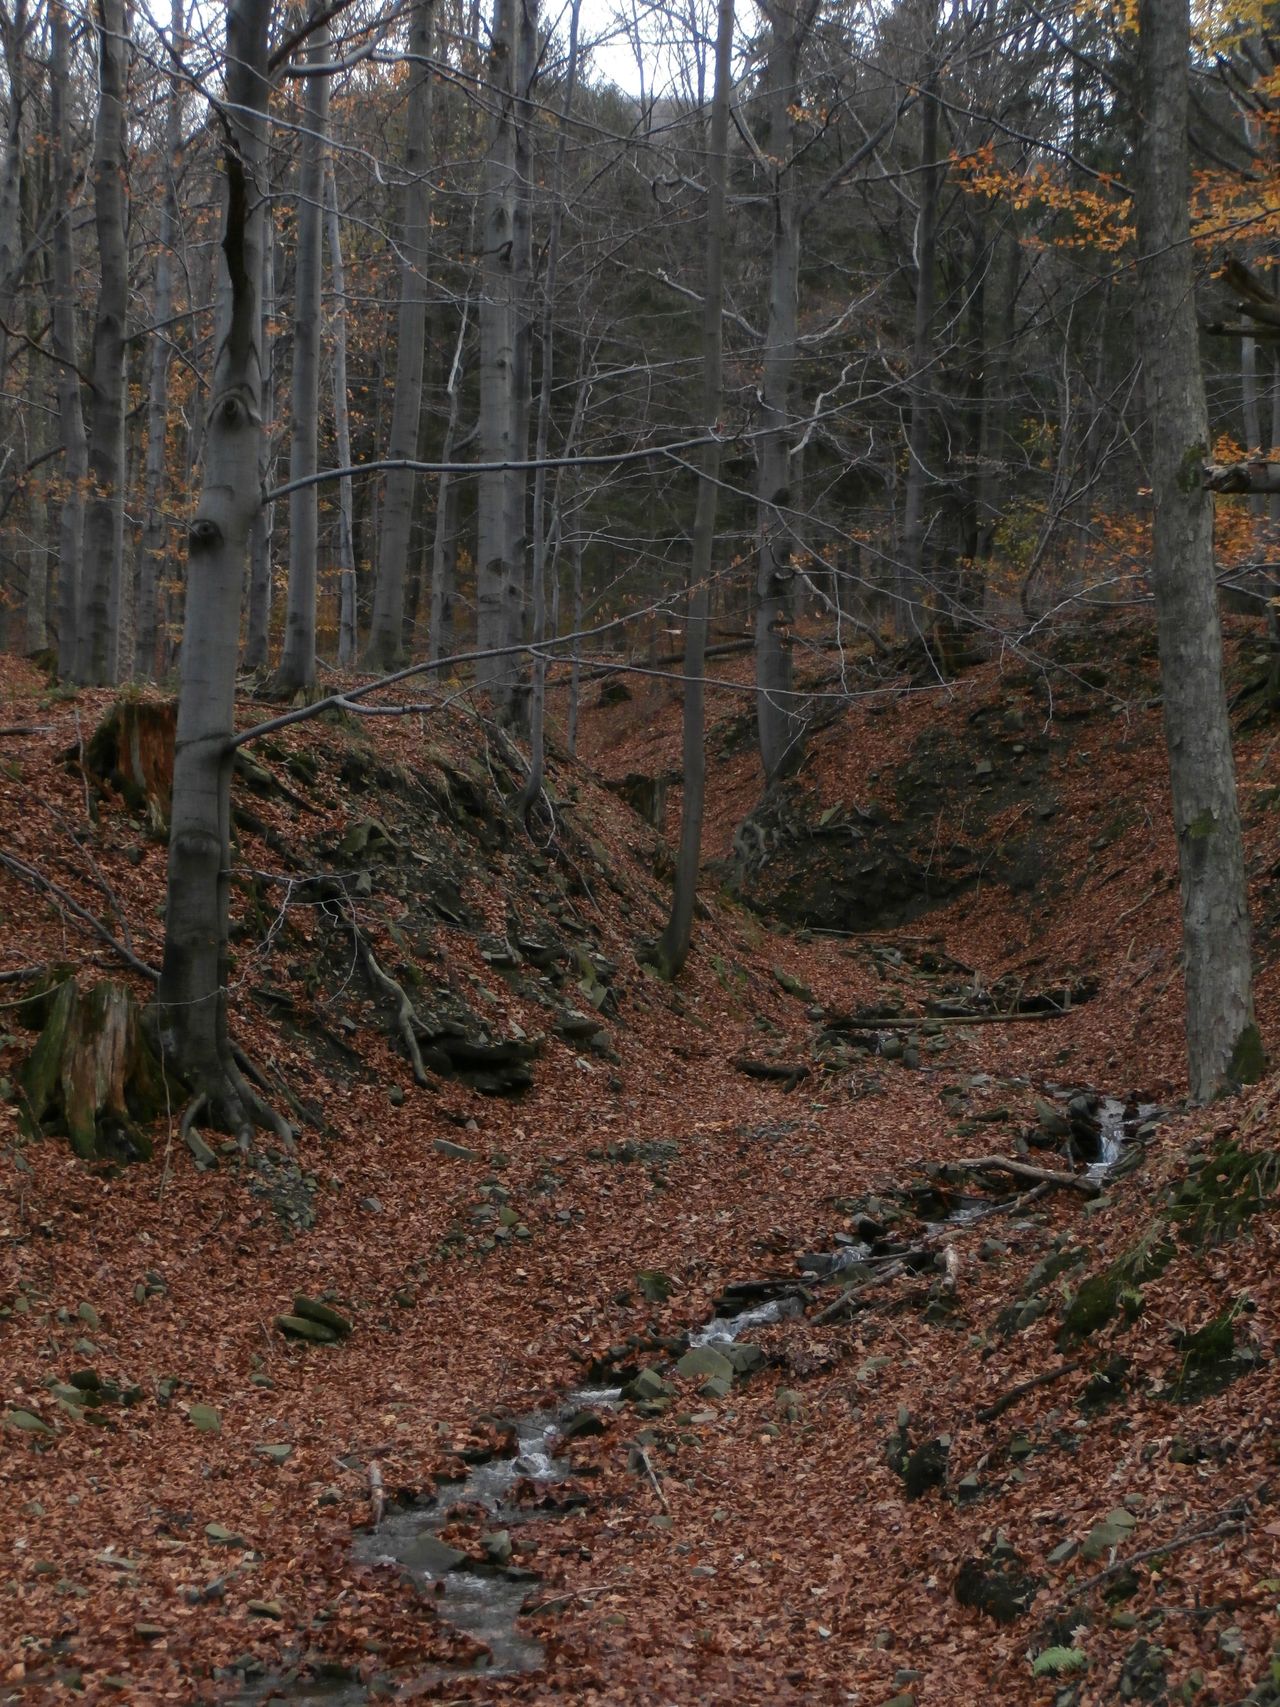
point(638, 836)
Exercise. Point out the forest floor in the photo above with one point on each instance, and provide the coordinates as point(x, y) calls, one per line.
point(1000, 1441)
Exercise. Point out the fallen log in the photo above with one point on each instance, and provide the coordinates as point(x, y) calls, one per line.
point(997, 1408)
point(1026, 1170)
point(913, 1022)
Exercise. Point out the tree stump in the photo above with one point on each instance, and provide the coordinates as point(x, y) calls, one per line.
point(132, 750)
point(92, 1074)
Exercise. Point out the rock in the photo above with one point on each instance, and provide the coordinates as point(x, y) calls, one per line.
point(705, 1361)
point(205, 1159)
point(445, 1147)
point(372, 1204)
point(497, 1546)
point(303, 1328)
point(88, 1315)
point(1051, 1119)
point(266, 1608)
point(427, 1552)
point(648, 1384)
point(279, 1452)
point(316, 1311)
point(891, 1047)
point(395, 1096)
point(584, 1423)
point(744, 1358)
point(27, 1421)
point(1110, 1533)
point(716, 1387)
point(221, 1536)
point(204, 1418)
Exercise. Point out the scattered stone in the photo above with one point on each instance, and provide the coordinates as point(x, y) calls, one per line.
point(497, 1546)
point(27, 1421)
point(1107, 1535)
point(279, 1452)
point(314, 1310)
point(584, 1423)
point(221, 1536)
point(372, 1204)
point(460, 1152)
point(648, 1384)
point(204, 1418)
point(427, 1552)
point(303, 1328)
point(266, 1608)
point(88, 1315)
point(395, 1096)
point(706, 1362)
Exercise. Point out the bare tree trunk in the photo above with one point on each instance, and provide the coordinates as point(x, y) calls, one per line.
point(673, 949)
point(257, 645)
point(13, 34)
point(65, 348)
point(779, 727)
point(191, 1004)
point(538, 690)
point(443, 556)
point(297, 672)
point(101, 583)
point(385, 650)
point(497, 573)
point(153, 548)
point(911, 572)
point(1224, 1048)
point(341, 433)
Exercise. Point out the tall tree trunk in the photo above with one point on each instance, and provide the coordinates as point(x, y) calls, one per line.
point(66, 346)
point(778, 724)
point(297, 672)
point(538, 690)
point(341, 432)
point(257, 643)
point(497, 573)
point(191, 1004)
point(911, 577)
point(443, 551)
point(153, 550)
point(673, 949)
point(101, 582)
point(13, 34)
point(385, 650)
point(1224, 1049)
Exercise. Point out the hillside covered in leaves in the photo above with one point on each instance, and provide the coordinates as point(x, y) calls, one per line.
point(861, 1318)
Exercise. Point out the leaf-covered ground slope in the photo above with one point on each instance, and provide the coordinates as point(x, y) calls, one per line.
point(1025, 1453)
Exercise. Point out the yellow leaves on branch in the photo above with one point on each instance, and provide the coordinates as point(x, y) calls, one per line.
point(1097, 215)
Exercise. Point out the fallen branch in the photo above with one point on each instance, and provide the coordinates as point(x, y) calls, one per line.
point(850, 1299)
point(913, 1022)
point(30, 875)
point(644, 1458)
point(375, 1495)
point(1232, 1522)
point(1025, 1170)
point(999, 1406)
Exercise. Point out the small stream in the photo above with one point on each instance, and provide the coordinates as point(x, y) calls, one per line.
point(486, 1603)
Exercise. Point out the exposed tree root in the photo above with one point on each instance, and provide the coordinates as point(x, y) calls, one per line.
point(406, 1017)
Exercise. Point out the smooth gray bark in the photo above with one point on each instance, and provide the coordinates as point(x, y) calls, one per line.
point(341, 431)
point(257, 644)
point(779, 727)
point(65, 348)
point(911, 578)
point(191, 1004)
point(673, 948)
point(1224, 1049)
point(102, 576)
point(444, 536)
point(297, 671)
point(538, 688)
point(498, 591)
point(153, 545)
point(385, 650)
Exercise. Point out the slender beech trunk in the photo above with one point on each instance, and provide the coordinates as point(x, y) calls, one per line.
point(102, 579)
point(518, 493)
point(257, 643)
point(13, 33)
point(297, 672)
point(778, 725)
point(1224, 1048)
point(538, 690)
point(65, 348)
point(341, 432)
point(497, 573)
point(442, 555)
point(673, 949)
point(911, 579)
point(385, 650)
point(191, 1004)
point(153, 550)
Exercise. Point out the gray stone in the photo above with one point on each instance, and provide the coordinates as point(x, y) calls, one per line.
point(204, 1418)
point(648, 1384)
point(314, 1310)
point(427, 1552)
point(705, 1360)
point(279, 1452)
point(497, 1546)
point(745, 1358)
point(303, 1328)
point(460, 1152)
